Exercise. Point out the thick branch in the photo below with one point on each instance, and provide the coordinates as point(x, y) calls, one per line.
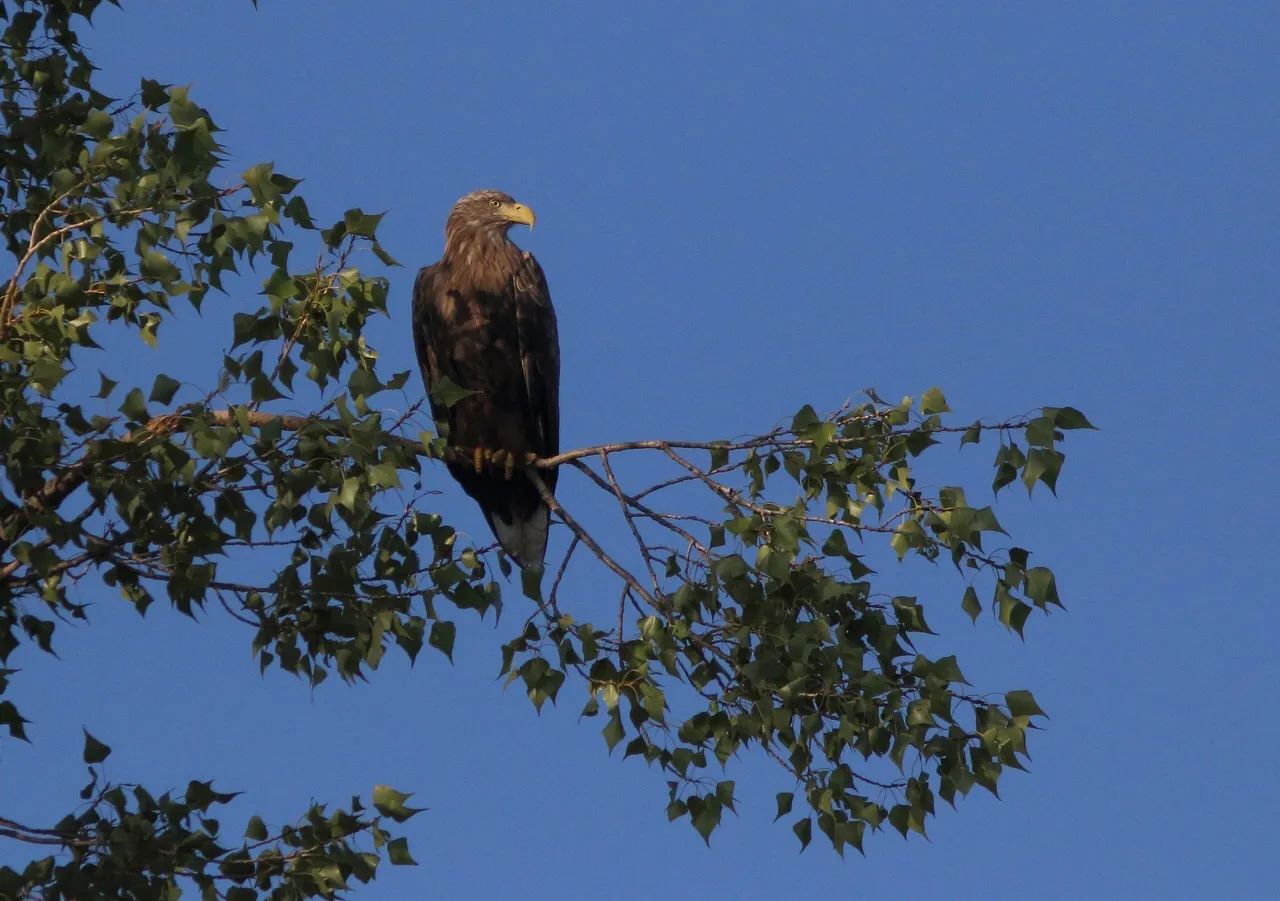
point(59, 487)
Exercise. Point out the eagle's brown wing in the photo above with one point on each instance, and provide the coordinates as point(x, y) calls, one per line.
point(539, 356)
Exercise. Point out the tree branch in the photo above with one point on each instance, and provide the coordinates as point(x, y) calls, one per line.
point(585, 537)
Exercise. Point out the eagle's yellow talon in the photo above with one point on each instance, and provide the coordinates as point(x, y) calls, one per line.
point(510, 469)
point(478, 460)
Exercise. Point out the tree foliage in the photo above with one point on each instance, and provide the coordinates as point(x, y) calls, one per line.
point(747, 618)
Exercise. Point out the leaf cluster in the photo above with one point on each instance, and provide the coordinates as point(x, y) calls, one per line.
point(770, 616)
point(126, 842)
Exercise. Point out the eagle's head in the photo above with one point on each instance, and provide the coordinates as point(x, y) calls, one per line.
point(488, 213)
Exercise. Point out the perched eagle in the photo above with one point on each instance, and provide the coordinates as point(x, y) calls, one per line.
point(482, 318)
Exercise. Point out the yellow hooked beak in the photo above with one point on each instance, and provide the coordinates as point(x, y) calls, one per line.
point(517, 212)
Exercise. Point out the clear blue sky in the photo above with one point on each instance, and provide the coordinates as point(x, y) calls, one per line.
point(743, 208)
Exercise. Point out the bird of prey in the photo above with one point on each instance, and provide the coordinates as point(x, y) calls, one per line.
point(482, 318)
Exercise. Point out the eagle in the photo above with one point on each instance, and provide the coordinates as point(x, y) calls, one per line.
point(482, 318)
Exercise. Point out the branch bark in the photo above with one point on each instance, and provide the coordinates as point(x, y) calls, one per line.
point(61, 486)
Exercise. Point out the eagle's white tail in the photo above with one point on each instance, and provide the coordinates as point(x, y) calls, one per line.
point(525, 541)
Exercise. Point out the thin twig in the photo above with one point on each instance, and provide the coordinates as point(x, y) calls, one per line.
point(564, 565)
point(555, 507)
point(660, 518)
point(626, 514)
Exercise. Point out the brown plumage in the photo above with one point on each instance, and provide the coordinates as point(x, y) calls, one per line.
point(482, 317)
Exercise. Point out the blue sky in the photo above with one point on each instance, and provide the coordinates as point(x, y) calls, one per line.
point(744, 208)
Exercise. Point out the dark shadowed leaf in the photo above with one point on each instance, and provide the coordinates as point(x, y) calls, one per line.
point(12, 720)
point(804, 831)
point(256, 831)
point(94, 750)
point(442, 636)
point(164, 388)
point(805, 419)
point(105, 386)
point(134, 406)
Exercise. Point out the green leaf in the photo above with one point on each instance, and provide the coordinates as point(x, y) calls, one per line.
point(94, 750)
point(262, 390)
point(105, 386)
point(442, 636)
point(363, 382)
point(1043, 464)
point(1069, 418)
point(362, 224)
point(910, 615)
point(97, 124)
point(45, 375)
point(256, 831)
point(899, 818)
point(805, 419)
point(1041, 586)
point(785, 800)
point(390, 803)
point(385, 258)
point(398, 853)
point(1040, 432)
point(296, 210)
point(918, 713)
point(724, 793)
point(134, 406)
point(932, 401)
point(971, 605)
point(984, 520)
point(1011, 611)
point(154, 264)
point(706, 817)
point(154, 94)
point(804, 831)
point(446, 393)
point(164, 388)
point(398, 380)
point(384, 475)
point(531, 583)
point(350, 491)
point(613, 731)
point(1021, 703)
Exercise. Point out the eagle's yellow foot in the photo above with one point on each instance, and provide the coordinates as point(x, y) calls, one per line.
point(481, 458)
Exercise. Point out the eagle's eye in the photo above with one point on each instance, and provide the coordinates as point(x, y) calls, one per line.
point(495, 203)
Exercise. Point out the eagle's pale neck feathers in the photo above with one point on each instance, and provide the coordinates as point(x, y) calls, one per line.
point(476, 245)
